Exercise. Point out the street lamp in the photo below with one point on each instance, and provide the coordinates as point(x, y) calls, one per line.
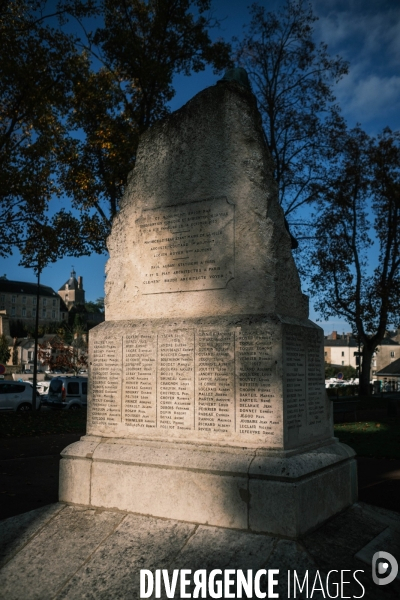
point(38, 269)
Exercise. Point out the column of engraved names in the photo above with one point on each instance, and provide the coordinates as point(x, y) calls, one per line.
point(175, 374)
point(257, 412)
point(215, 381)
point(140, 380)
point(106, 382)
point(295, 378)
point(315, 378)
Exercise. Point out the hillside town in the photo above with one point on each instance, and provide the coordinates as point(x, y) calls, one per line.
point(64, 318)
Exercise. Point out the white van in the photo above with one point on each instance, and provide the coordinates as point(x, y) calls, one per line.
point(67, 392)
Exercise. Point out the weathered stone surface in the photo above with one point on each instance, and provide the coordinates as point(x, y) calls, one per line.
point(221, 486)
point(385, 540)
point(177, 494)
point(200, 231)
point(137, 543)
point(67, 542)
point(17, 531)
point(289, 556)
point(254, 381)
point(71, 561)
point(291, 508)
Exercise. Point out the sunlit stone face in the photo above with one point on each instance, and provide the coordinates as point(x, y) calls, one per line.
point(206, 337)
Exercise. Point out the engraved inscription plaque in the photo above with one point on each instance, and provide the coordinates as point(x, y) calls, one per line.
point(295, 379)
point(175, 373)
point(211, 382)
point(259, 410)
point(187, 247)
point(315, 379)
point(140, 380)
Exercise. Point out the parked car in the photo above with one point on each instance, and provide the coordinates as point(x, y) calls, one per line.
point(67, 393)
point(17, 395)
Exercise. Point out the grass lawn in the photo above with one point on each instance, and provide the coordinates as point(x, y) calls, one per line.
point(15, 424)
point(374, 436)
point(379, 439)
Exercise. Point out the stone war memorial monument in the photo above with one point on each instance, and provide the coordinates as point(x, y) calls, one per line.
point(207, 399)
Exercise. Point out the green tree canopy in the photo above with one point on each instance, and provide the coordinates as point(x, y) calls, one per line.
point(72, 109)
point(95, 307)
point(5, 351)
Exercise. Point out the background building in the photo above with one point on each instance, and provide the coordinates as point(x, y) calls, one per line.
point(62, 313)
point(343, 350)
point(19, 301)
point(72, 292)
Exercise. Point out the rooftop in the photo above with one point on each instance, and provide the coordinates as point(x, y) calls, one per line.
point(22, 287)
point(392, 369)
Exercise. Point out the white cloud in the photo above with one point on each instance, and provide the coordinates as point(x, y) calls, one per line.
point(358, 35)
point(365, 33)
point(368, 97)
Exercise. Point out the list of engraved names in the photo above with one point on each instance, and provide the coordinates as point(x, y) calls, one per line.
point(107, 383)
point(258, 414)
point(212, 380)
point(305, 390)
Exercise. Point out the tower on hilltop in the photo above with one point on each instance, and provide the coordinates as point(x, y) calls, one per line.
point(72, 291)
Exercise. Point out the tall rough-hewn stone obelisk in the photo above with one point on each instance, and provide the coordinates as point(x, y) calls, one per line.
point(207, 399)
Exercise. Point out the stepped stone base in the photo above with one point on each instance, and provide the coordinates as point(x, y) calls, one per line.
point(244, 489)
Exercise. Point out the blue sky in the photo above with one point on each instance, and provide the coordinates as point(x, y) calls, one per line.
point(364, 32)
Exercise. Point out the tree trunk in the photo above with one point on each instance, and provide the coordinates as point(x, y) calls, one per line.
point(365, 369)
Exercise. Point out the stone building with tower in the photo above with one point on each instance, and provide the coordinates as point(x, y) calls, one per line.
point(72, 292)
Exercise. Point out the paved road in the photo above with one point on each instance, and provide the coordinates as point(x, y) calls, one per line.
point(29, 475)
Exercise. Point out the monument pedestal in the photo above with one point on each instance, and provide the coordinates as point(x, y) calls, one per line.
point(238, 488)
point(222, 421)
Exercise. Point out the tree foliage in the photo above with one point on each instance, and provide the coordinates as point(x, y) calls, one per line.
point(95, 307)
point(72, 110)
point(5, 351)
point(347, 371)
point(293, 79)
point(124, 87)
point(37, 63)
point(357, 248)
